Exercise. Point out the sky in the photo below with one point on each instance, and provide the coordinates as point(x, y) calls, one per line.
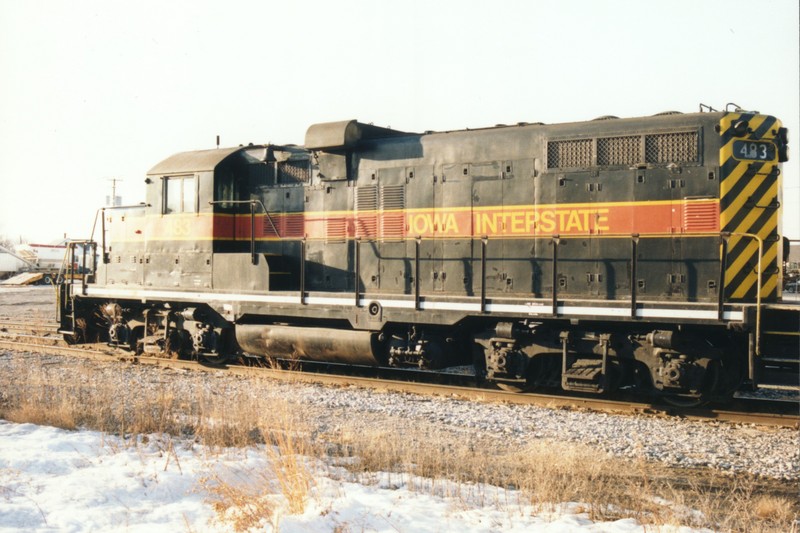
point(96, 90)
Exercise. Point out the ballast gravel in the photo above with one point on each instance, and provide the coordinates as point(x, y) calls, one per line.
point(731, 448)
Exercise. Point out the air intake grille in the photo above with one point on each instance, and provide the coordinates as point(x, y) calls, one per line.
point(293, 226)
point(366, 212)
point(335, 229)
point(568, 154)
point(393, 217)
point(619, 150)
point(700, 216)
point(672, 147)
point(293, 171)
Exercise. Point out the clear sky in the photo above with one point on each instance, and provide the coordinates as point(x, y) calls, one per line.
point(97, 90)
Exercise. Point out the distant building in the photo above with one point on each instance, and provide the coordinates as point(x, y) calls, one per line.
point(791, 271)
point(793, 263)
point(116, 202)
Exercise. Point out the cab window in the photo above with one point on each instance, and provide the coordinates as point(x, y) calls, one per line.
point(180, 194)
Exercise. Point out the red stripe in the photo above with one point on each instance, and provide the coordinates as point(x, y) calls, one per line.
point(511, 222)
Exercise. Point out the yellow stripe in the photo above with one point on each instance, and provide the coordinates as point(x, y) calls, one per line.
point(510, 237)
point(751, 253)
point(738, 203)
point(770, 284)
point(746, 225)
point(737, 264)
point(731, 179)
point(752, 278)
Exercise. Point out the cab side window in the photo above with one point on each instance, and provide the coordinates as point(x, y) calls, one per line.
point(180, 195)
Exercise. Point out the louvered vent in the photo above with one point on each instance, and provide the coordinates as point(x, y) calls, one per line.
point(335, 229)
point(619, 150)
point(672, 147)
point(293, 225)
point(285, 226)
point(393, 216)
point(366, 212)
point(700, 216)
point(272, 226)
point(569, 154)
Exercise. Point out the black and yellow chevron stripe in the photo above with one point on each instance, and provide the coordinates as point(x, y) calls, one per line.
point(749, 204)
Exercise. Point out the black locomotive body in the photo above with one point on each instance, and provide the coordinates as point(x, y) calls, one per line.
point(643, 253)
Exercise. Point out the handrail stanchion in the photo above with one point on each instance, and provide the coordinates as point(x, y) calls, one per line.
point(357, 265)
point(723, 266)
point(253, 258)
point(556, 240)
point(417, 303)
point(634, 271)
point(758, 293)
point(303, 271)
point(106, 258)
point(484, 244)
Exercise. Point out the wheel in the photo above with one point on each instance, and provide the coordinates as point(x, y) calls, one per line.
point(711, 384)
point(510, 387)
point(684, 402)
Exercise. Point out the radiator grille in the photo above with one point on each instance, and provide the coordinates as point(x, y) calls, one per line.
point(672, 147)
point(568, 154)
point(619, 150)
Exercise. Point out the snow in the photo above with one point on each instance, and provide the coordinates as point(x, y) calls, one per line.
point(57, 480)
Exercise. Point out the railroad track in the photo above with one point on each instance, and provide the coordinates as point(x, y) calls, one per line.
point(765, 412)
point(29, 327)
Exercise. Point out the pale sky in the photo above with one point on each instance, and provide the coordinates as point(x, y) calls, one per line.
point(95, 90)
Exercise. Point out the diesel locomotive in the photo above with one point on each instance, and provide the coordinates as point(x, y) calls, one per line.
point(638, 253)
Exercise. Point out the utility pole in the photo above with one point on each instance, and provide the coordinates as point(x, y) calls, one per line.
point(114, 200)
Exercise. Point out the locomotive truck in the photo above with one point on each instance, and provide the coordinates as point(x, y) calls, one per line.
point(638, 253)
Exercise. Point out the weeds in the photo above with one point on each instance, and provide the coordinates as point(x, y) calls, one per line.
point(427, 459)
point(241, 498)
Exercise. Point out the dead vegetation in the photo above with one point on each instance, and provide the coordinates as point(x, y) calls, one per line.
point(427, 459)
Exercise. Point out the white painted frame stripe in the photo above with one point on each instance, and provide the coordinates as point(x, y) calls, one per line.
point(530, 309)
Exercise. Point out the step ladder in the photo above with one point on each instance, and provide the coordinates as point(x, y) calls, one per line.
point(581, 373)
point(778, 361)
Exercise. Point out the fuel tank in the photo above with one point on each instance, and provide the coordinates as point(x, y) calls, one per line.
point(310, 344)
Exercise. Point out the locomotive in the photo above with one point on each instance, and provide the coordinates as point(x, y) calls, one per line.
point(639, 253)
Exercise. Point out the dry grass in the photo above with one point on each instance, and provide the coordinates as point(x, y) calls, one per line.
point(546, 474)
point(427, 459)
point(247, 499)
point(241, 499)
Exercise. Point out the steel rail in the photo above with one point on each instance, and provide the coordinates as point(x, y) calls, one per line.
point(20, 324)
point(105, 353)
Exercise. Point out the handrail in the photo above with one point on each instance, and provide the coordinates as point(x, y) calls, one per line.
point(556, 240)
point(252, 203)
point(140, 205)
point(66, 276)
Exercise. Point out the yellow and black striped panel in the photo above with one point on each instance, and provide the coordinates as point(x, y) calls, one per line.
point(749, 203)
